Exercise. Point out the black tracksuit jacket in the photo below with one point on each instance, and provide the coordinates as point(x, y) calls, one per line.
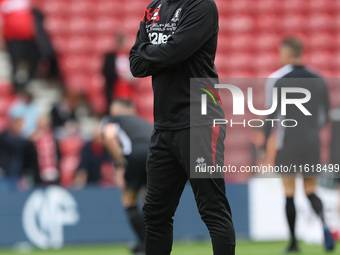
point(176, 41)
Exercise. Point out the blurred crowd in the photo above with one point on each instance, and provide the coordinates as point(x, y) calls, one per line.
point(48, 146)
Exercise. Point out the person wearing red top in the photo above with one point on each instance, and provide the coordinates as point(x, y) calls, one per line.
point(18, 31)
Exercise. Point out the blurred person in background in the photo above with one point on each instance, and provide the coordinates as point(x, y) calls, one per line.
point(25, 102)
point(109, 71)
point(18, 155)
point(63, 114)
point(18, 31)
point(299, 145)
point(116, 70)
point(47, 150)
point(93, 156)
point(48, 59)
point(127, 137)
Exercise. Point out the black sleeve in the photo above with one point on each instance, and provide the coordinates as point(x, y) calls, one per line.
point(109, 68)
point(198, 24)
point(139, 68)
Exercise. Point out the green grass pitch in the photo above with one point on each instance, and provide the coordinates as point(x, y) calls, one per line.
point(180, 248)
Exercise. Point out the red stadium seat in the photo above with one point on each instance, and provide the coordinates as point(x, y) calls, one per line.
point(81, 63)
point(111, 7)
point(223, 73)
point(337, 20)
point(241, 6)
point(294, 22)
point(73, 63)
point(239, 60)
point(295, 6)
point(242, 42)
point(80, 24)
point(94, 63)
point(104, 44)
point(82, 7)
point(222, 62)
point(330, 73)
point(321, 59)
point(131, 25)
point(59, 7)
point(96, 84)
point(37, 3)
point(98, 103)
point(266, 59)
point(135, 8)
point(269, 6)
point(321, 21)
point(326, 5)
point(323, 41)
point(264, 72)
point(76, 82)
point(223, 45)
point(267, 41)
point(107, 24)
point(337, 60)
point(233, 61)
point(224, 25)
point(77, 44)
point(56, 24)
point(241, 23)
point(237, 73)
point(268, 22)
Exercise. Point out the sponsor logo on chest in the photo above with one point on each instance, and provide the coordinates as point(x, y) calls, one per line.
point(158, 30)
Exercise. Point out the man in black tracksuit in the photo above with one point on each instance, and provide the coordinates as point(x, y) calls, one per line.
point(177, 41)
point(127, 137)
